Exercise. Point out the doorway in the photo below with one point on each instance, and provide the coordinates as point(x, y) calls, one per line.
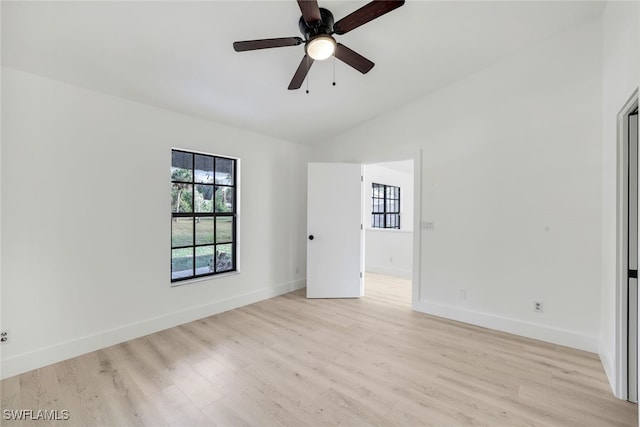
point(388, 211)
point(317, 199)
point(627, 252)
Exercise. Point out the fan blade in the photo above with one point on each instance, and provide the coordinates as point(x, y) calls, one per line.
point(366, 13)
point(353, 59)
point(310, 10)
point(301, 73)
point(266, 43)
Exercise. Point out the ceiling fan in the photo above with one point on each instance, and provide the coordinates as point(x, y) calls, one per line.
point(318, 27)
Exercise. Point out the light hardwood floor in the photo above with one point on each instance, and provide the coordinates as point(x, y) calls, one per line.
point(297, 362)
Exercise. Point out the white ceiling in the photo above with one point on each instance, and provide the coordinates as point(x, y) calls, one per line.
point(178, 55)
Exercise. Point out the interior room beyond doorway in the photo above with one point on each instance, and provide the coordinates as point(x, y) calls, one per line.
point(388, 219)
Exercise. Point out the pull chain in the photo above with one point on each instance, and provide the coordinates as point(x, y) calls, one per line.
point(334, 69)
point(307, 74)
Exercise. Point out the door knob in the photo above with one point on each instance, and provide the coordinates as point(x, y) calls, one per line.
point(310, 236)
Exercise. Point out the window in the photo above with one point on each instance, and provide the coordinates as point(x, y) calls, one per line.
point(385, 206)
point(203, 215)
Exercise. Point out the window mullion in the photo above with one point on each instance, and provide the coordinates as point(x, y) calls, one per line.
point(193, 208)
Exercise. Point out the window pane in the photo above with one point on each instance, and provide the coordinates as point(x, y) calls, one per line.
point(181, 232)
point(204, 230)
point(378, 190)
point(224, 171)
point(392, 206)
point(204, 198)
point(203, 169)
point(377, 205)
point(224, 199)
point(181, 263)
point(204, 259)
point(224, 229)
point(224, 258)
point(390, 192)
point(181, 166)
point(181, 197)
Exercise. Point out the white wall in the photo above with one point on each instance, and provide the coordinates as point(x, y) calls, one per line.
point(511, 179)
point(621, 76)
point(86, 220)
point(389, 251)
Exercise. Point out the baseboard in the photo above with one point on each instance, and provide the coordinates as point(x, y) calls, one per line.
point(46, 356)
point(389, 271)
point(609, 368)
point(510, 325)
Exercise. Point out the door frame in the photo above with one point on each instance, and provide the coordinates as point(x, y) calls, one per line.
point(396, 156)
point(622, 267)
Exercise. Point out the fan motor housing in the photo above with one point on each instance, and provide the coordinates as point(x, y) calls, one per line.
point(324, 26)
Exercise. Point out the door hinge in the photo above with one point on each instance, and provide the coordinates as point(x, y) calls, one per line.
point(361, 178)
point(361, 227)
point(361, 274)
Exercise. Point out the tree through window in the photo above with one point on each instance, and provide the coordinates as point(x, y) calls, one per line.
point(203, 215)
point(385, 206)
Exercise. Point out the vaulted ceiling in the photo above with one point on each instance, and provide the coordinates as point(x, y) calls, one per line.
point(178, 55)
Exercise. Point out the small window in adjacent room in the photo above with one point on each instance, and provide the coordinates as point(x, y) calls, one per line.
point(385, 206)
point(203, 215)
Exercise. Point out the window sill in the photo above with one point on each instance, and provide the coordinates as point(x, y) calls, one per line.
point(388, 230)
point(204, 278)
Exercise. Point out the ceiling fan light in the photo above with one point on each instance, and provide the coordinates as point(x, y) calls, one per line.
point(321, 47)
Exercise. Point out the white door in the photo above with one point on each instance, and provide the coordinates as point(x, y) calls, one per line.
point(334, 231)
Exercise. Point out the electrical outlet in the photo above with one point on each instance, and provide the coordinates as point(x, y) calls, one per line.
point(4, 336)
point(537, 306)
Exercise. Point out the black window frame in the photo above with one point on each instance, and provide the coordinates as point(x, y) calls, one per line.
point(389, 216)
point(214, 214)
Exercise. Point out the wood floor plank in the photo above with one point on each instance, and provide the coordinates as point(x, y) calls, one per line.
point(177, 409)
point(196, 387)
point(224, 412)
point(292, 361)
point(130, 404)
point(10, 400)
point(264, 400)
point(87, 405)
point(149, 375)
point(39, 389)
